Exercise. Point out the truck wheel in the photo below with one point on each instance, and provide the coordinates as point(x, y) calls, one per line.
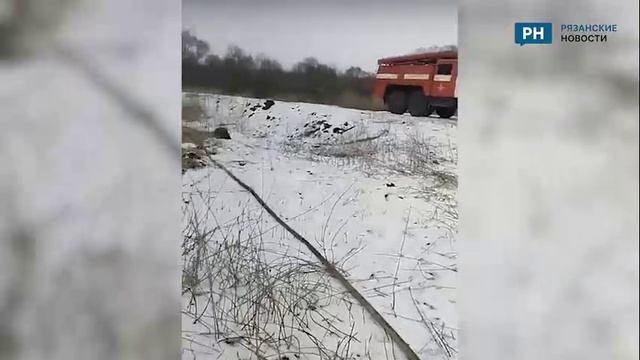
point(446, 112)
point(430, 110)
point(418, 105)
point(397, 102)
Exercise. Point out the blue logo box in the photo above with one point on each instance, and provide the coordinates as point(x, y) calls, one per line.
point(533, 33)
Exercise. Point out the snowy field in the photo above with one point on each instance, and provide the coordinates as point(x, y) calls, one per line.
point(372, 191)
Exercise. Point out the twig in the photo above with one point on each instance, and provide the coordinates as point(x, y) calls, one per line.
point(400, 255)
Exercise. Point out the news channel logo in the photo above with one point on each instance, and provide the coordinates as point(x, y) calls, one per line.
point(542, 32)
point(533, 33)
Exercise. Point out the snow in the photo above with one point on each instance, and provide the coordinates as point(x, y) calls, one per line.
point(367, 206)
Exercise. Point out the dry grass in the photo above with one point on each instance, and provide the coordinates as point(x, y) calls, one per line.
point(245, 294)
point(353, 100)
point(413, 155)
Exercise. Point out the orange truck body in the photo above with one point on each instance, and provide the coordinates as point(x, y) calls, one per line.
point(419, 83)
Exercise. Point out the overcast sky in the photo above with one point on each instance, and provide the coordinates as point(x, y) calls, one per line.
point(341, 33)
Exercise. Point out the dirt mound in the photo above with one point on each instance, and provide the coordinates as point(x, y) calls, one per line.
point(317, 128)
point(221, 133)
point(268, 104)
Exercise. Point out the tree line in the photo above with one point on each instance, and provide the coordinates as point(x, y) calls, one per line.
point(239, 73)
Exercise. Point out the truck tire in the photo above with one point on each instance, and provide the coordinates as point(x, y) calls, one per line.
point(417, 104)
point(397, 101)
point(446, 112)
point(430, 110)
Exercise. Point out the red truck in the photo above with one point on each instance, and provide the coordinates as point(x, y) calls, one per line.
point(419, 83)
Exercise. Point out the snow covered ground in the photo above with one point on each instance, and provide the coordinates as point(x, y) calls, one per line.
point(374, 192)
